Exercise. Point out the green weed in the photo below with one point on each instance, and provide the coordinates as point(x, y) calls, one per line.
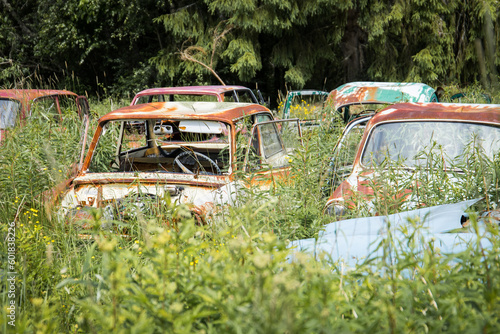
point(234, 275)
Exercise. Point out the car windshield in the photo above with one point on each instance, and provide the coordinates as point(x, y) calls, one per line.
point(405, 141)
point(175, 97)
point(163, 145)
point(8, 113)
point(361, 109)
point(306, 106)
point(68, 105)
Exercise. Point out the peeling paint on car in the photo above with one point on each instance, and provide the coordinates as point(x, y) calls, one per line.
point(216, 126)
point(408, 113)
point(25, 99)
point(381, 92)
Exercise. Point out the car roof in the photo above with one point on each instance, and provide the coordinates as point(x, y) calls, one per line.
point(194, 90)
point(307, 92)
point(479, 113)
point(31, 94)
point(380, 92)
point(217, 111)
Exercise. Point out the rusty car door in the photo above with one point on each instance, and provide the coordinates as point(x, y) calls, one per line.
point(271, 148)
point(83, 106)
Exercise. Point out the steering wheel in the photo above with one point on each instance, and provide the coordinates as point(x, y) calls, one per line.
point(194, 157)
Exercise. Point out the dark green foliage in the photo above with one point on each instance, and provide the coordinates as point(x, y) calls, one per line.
point(264, 40)
point(120, 47)
point(101, 42)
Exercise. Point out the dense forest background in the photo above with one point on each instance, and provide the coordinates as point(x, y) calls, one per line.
point(119, 47)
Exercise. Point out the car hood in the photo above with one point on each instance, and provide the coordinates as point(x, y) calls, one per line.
point(201, 192)
point(352, 241)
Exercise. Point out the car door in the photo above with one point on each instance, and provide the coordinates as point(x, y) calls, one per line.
point(83, 106)
point(344, 153)
point(271, 146)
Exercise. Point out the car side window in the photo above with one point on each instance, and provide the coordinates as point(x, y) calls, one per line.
point(275, 141)
point(264, 142)
point(68, 105)
point(245, 96)
point(263, 118)
point(271, 141)
point(8, 113)
point(346, 150)
point(45, 108)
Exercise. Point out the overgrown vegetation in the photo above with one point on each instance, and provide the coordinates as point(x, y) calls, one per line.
point(435, 180)
point(234, 275)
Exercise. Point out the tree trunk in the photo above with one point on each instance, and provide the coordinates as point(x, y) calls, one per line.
point(489, 45)
point(482, 63)
point(352, 47)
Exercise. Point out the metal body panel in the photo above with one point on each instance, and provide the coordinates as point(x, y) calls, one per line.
point(217, 111)
point(488, 114)
point(25, 95)
point(380, 92)
point(203, 193)
point(216, 90)
point(354, 241)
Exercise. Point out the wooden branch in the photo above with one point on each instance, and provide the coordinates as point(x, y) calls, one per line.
point(186, 55)
point(217, 38)
point(9, 61)
point(24, 28)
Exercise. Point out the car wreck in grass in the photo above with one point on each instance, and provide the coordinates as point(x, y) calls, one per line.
point(357, 99)
point(402, 133)
point(215, 93)
point(303, 104)
point(16, 105)
point(190, 152)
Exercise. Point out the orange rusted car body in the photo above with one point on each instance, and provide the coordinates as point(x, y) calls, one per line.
point(18, 104)
point(485, 118)
point(189, 152)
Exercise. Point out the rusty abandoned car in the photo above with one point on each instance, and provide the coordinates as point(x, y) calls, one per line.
point(16, 105)
point(309, 100)
point(406, 135)
point(402, 133)
point(188, 151)
point(355, 99)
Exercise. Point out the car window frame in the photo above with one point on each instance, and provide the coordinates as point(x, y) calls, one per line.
point(256, 135)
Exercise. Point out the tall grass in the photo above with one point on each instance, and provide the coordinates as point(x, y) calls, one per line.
point(233, 276)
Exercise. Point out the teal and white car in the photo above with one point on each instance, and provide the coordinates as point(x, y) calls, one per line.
point(303, 103)
point(356, 99)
